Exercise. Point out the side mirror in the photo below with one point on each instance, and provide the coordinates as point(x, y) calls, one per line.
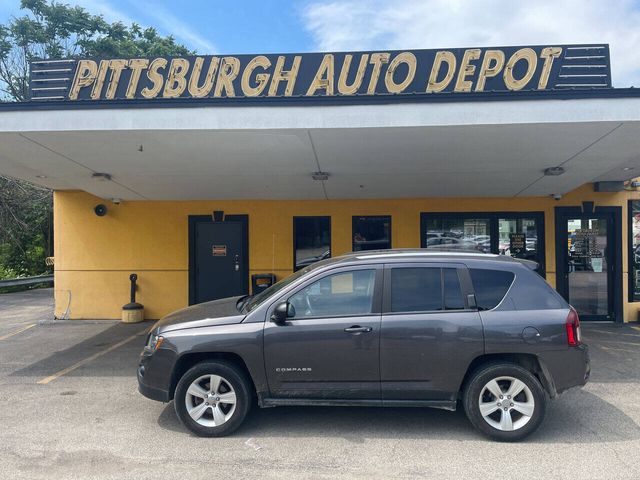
point(282, 311)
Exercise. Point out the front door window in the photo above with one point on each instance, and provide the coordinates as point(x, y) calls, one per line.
point(341, 294)
point(588, 265)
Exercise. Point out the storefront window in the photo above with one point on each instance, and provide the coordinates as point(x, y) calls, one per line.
point(311, 240)
point(520, 235)
point(458, 234)
point(371, 233)
point(634, 257)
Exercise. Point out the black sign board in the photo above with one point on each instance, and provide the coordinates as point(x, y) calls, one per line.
point(586, 243)
point(517, 243)
point(354, 75)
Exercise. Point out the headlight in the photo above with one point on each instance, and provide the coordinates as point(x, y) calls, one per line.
point(153, 343)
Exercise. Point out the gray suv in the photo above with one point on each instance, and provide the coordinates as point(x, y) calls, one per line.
point(383, 328)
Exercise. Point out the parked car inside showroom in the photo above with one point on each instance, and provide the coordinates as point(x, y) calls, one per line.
point(413, 328)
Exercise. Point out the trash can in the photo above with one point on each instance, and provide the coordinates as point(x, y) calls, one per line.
point(133, 312)
point(261, 281)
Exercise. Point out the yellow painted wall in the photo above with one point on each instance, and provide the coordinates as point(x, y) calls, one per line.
point(95, 255)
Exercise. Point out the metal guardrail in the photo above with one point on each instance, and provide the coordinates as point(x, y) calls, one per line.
point(26, 281)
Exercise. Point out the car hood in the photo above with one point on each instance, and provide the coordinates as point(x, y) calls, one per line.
point(216, 312)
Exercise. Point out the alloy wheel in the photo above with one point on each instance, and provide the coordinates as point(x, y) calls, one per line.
point(506, 403)
point(210, 400)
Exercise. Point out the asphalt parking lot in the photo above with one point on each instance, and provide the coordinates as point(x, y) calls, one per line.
point(69, 408)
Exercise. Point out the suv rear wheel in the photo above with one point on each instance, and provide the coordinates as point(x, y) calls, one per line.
point(212, 398)
point(504, 401)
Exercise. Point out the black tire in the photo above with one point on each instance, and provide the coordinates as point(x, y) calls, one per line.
point(475, 387)
point(233, 377)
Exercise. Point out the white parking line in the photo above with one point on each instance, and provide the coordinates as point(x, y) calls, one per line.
point(617, 349)
point(84, 361)
point(9, 335)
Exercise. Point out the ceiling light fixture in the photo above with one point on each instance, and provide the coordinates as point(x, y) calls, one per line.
point(320, 175)
point(553, 171)
point(626, 169)
point(101, 177)
point(41, 176)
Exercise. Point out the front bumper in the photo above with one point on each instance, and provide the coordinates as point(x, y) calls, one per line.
point(152, 392)
point(154, 375)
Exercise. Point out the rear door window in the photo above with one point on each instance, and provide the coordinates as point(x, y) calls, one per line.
point(425, 289)
point(490, 286)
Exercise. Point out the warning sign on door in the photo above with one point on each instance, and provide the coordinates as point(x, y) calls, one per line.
point(219, 250)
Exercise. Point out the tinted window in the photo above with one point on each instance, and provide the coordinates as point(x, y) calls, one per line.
point(371, 233)
point(421, 289)
point(416, 289)
point(453, 299)
point(311, 240)
point(345, 293)
point(634, 257)
point(535, 294)
point(455, 232)
point(490, 286)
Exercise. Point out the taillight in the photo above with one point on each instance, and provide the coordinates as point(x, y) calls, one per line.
point(574, 337)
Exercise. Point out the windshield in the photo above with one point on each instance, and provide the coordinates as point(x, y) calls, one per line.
point(255, 300)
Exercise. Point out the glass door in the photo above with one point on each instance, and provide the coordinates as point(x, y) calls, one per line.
point(588, 266)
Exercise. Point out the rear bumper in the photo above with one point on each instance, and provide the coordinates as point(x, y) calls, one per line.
point(569, 368)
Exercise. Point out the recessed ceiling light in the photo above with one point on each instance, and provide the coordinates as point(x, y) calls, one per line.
point(101, 177)
point(626, 169)
point(320, 175)
point(553, 171)
point(41, 176)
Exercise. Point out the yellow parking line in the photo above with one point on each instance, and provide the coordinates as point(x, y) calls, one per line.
point(9, 335)
point(73, 367)
point(636, 328)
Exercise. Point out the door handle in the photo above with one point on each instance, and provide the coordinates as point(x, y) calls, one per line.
point(358, 329)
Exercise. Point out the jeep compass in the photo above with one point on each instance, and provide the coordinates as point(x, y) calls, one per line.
point(382, 328)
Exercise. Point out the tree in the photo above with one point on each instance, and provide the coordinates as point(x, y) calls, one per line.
point(56, 30)
point(26, 235)
point(51, 30)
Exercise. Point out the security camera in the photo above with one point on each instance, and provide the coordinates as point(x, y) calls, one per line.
point(556, 196)
point(116, 201)
point(100, 210)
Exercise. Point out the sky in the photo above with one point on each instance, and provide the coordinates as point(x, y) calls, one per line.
point(271, 26)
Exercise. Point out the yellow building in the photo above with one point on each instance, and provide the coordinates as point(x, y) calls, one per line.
point(198, 188)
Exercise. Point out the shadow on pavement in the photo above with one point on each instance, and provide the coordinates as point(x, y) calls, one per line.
point(121, 362)
point(576, 417)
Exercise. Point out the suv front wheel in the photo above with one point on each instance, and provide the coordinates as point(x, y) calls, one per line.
point(504, 401)
point(212, 398)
